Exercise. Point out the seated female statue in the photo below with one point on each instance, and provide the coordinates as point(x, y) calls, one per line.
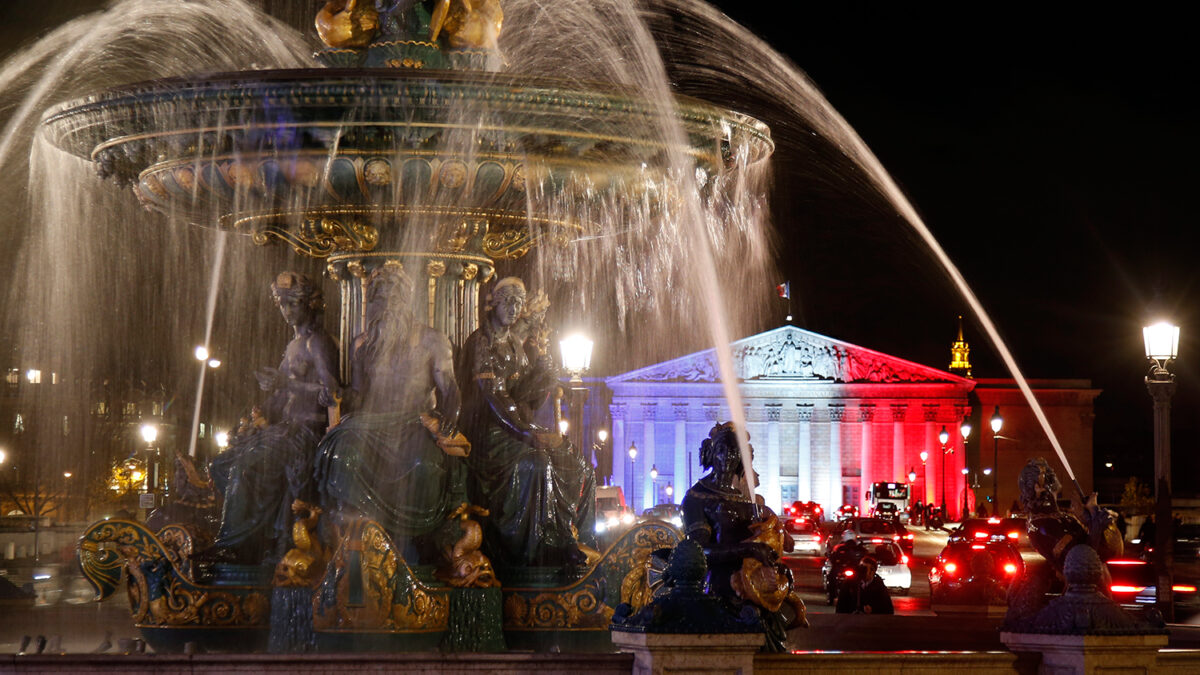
point(538, 488)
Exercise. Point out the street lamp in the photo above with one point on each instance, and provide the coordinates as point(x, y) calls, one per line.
point(654, 482)
point(670, 491)
point(576, 358)
point(632, 471)
point(222, 439)
point(1162, 347)
point(997, 422)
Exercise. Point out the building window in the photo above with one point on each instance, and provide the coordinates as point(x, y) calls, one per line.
point(158, 409)
point(66, 426)
point(101, 408)
point(130, 408)
point(19, 424)
point(34, 376)
point(14, 376)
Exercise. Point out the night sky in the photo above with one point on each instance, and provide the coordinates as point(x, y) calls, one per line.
point(1053, 155)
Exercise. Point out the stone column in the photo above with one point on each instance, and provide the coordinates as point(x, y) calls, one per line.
point(804, 478)
point(620, 446)
point(836, 414)
point(679, 473)
point(772, 492)
point(933, 447)
point(648, 410)
point(899, 470)
point(866, 474)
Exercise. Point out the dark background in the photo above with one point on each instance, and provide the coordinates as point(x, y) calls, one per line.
point(1053, 154)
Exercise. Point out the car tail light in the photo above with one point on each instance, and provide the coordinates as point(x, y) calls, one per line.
point(1010, 568)
point(977, 547)
point(895, 537)
point(908, 536)
point(903, 559)
point(1014, 535)
point(799, 521)
point(1128, 562)
point(848, 573)
point(817, 537)
point(993, 521)
point(950, 568)
point(980, 535)
point(1118, 588)
point(876, 540)
point(1182, 588)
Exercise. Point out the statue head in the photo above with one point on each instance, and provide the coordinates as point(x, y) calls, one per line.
point(719, 452)
point(507, 300)
point(389, 290)
point(297, 297)
point(1039, 487)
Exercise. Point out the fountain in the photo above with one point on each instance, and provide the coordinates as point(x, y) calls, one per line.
point(414, 154)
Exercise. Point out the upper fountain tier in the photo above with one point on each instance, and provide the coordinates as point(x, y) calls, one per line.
point(275, 152)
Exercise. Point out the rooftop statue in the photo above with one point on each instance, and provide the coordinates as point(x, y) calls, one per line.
point(536, 486)
point(268, 465)
point(743, 540)
point(397, 457)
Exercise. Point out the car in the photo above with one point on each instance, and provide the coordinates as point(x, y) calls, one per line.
point(1134, 586)
point(670, 513)
point(612, 516)
point(903, 537)
point(982, 530)
point(885, 510)
point(860, 529)
point(806, 534)
point(809, 510)
point(973, 572)
point(845, 511)
point(843, 563)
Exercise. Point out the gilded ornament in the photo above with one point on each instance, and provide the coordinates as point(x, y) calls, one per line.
point(333, 272)
point(239, 174)
point(468, 24)
point(185, 178)
point(518, 178)
point(507, 244)
point(303, 172)
point(347, 23)
point(356, 269)
point(302, 565)
point(470, 270)
point(377, 172)
point(453, 174)
point(435, 268)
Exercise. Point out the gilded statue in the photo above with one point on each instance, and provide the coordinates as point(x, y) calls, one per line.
point(467, 567)
point(303, 564)
point(467, 24)
point(344, 24)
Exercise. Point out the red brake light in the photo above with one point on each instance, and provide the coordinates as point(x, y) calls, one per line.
point(908, 536)
point(993, 521)
point(1014, 535)
point(1117, 588)
point(876, 540)
point(895, 537)
point(950, 568)
point(1182, 588)
point(799, 521)
point(977, 547)
point(981, 535)
point(1010, 568)
point(904, 559)
point(848, 573)
point(816, 537)
point(1127, 562)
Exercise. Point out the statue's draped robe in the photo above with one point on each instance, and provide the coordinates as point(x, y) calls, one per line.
point(388, 467)
point(260, 475)
point(535, 496)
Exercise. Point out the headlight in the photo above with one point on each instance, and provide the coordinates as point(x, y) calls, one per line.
point(612, 521)
point(600, 527)
point(677, 521)
point(627, 518)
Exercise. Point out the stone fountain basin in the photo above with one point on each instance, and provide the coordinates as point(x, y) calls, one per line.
point(248, 150)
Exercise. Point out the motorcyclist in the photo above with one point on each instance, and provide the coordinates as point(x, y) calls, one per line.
point(865, 593)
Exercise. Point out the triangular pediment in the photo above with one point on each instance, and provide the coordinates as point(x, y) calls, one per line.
point(791, 353)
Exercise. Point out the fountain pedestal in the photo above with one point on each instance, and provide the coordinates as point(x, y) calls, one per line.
point(657, 653)
point(1087, 654)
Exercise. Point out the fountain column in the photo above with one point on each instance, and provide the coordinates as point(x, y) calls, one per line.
point(679, 475)
point(899, 472)
point(866, 474)
point(836, 414)
point(804, 473)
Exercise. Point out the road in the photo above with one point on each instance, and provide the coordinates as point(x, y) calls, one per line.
point(806, 570)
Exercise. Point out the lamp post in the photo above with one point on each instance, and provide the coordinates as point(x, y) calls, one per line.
point(605, 476)
point(997, 423)
point(149, 434)
point(965, 429)
point(1162, 347)
point(654, 482)
point(632, 471)
point(576, 359)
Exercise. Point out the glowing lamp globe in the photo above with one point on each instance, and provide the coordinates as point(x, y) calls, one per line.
point(997, 421)
point(912, 476)
point(944, 436)
point(965, 429)
point(149, 433)
point(576, 355)
point(602, 435)
point(1162, 341)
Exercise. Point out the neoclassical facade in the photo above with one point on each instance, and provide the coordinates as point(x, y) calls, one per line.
point(826, 419)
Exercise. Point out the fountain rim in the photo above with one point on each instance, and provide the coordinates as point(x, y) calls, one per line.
point(229, 86)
